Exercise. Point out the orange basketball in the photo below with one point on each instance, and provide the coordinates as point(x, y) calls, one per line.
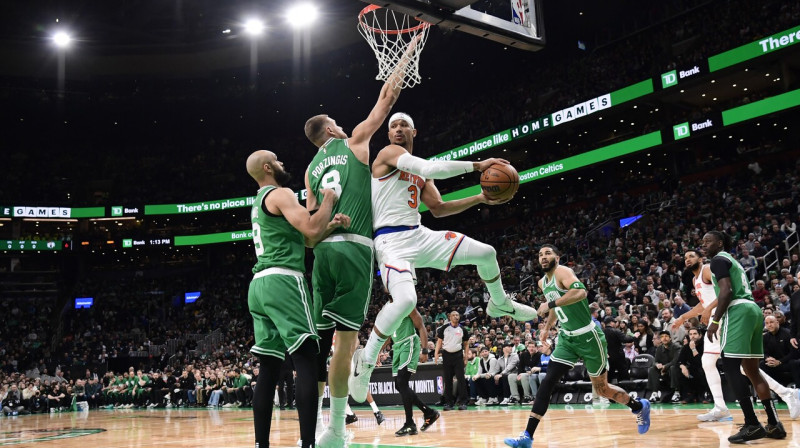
point(500, 181)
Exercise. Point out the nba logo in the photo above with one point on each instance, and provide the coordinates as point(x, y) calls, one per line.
point(439, 385)
point(518, 12)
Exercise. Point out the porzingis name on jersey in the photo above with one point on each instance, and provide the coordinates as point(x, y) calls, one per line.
point(413, 178)
point(340, 159)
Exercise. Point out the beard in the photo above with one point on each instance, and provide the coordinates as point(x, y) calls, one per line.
point(550, 266)
point(694, 267)
point(281, 177)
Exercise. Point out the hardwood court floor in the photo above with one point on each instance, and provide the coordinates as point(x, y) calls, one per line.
point(564, 426)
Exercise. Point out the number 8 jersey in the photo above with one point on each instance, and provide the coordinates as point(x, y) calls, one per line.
point(336, 167)
point(396, 198)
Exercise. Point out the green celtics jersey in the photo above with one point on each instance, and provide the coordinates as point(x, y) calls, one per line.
point(739, 285)
point(277, 243)
point(573, 316)
point(406, 333)
point(336, 167)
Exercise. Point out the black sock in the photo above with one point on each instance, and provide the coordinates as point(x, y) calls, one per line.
point(738, 384)
point(533, 422)
point(401, 383)
point(262, 400)
point(772, 414)
point(635, 404)
point(306, 393)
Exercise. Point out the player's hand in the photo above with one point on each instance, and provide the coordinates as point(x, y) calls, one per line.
point(705, 318)
point(543, 310)
point(436, 358)
point(484, 165)
point(678, 322)
point(793, 341)
point(423, 357)
point(491, 201)
point(711, 331)
point(339, 220)
point(327, 192)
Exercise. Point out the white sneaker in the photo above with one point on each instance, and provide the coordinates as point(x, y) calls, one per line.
point(504, 402)
point(600, 401)
point(511, 308)
point(227, 405)
point(480, 402)
point(360, 372)
point(492, 400)
point(716, 415)
point(329, 439)
point(792, 400)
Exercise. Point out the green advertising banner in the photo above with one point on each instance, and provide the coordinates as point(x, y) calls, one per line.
point(211, 238)
point(571, 163)
point(23, 245)
point(754, 49)
point(198, 207)
point(761, 107)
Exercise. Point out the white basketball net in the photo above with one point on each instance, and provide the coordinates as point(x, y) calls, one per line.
point(397, 40)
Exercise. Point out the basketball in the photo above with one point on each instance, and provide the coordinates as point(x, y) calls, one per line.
point(500, 181)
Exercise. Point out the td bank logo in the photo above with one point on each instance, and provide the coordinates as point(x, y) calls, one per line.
point(127, 243)
point(116, 210)
point(669, 79)
point(681, 130)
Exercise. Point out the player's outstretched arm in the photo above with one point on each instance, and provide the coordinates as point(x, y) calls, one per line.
point(313, 227)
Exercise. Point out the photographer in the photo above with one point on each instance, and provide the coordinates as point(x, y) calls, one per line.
point(12, 405)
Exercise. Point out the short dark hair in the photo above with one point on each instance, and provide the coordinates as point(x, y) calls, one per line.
point(553, 248)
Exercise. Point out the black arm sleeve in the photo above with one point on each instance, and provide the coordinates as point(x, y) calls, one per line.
point(721, 267)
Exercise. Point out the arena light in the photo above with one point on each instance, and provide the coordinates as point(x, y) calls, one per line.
point(62, 39)
point(254, 27)
point(302, 15)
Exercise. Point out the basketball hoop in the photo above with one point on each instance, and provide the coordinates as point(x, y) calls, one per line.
point(397, 41)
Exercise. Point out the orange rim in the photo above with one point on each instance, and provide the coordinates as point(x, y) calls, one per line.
point(371, 8)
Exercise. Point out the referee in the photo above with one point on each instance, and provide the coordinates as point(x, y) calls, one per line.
point(453, 339)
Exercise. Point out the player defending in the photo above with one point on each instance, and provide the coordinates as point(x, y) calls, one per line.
point(704, 289)
point(343, 262)
point(281, 229)
point(400, 182)
point(407, 355)
point(579, 338)
point(740, 324)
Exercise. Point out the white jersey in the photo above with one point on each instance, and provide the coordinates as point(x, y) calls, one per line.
point(705, 291)
point(395, 199)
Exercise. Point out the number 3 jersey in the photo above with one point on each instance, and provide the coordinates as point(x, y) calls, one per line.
point(336, 167)
point(396, 198)
point(276, 242)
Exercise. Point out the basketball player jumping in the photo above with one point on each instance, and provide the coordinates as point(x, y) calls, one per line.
point(579, 338)
point(704, 289)
point(740, 324)
point(281, 229)
point(400, 182)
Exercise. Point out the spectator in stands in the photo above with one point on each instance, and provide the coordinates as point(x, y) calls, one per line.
point(692, 379)
point(780, 357)
point(528, 363)
point(644, 338)
point(748, 262)
point(783, 304)
point(619, 365)
point(470, 370)
point(484, 382)
point(680, 307)
point(506, 368)
point(12, 404)
point(652, 293)
point(760, 293)
point(663, 376)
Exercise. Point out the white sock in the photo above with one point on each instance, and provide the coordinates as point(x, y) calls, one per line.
point(714, 381)
point(374, 407)
point(338, 405)
point(776, 387)
point(373, 347)
point(347, 410)
point(319, 407)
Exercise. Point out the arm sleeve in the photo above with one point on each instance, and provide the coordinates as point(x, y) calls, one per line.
point(430, 169)
point(721, 267)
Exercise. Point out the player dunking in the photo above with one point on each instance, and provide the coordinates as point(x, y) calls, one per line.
point(740, 324)
point(579, 338)
point(400, 182)
point(343, 262)
point(281, 227)
point(704, 289)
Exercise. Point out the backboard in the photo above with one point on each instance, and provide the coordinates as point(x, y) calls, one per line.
point(516, 23)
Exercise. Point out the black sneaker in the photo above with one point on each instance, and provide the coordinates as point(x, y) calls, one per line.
point(351, 418)
point(775, 431)
point(430, 419)
point(447, 407)
point(747, 433)
point(462, 407)
point(407, 430)
point(379, 417)
point(513, 400)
